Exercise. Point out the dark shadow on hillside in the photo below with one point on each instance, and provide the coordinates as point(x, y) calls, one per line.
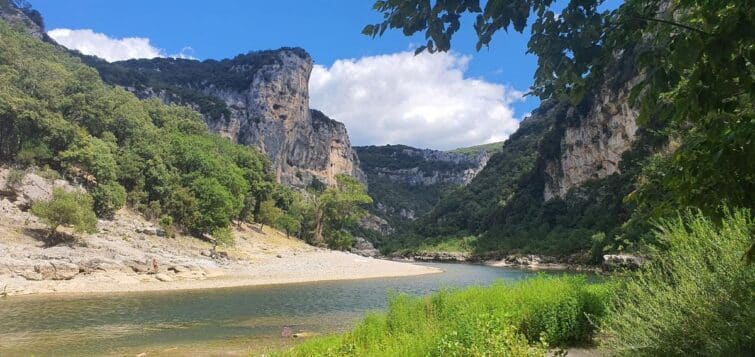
point(50, 240)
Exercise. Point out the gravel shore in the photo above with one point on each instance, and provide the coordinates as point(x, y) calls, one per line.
point(130, 253)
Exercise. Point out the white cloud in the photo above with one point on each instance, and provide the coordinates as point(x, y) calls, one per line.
point(110, 49)
point(423, 101)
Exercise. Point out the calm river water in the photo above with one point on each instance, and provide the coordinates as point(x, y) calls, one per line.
point(209, 322)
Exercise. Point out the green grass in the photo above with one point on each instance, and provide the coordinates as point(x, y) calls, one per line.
point(512, 319)
point(474, 150)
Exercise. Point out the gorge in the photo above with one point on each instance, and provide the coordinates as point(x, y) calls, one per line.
point(157, 204)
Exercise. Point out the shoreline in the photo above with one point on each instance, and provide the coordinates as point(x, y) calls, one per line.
point(73, 288)
point(531, 262)
point(132, 254)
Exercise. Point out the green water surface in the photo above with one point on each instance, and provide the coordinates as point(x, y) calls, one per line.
point(231, 321)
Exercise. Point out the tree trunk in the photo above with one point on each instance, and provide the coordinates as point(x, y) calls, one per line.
point(319, 217)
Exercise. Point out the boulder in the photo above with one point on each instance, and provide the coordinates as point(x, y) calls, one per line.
point(64, 270)
point(614, 262)
point(151, 231)
point(140, 267)
point(364, 248)
point(163, 277)
point(179, 268)
point(101, 264)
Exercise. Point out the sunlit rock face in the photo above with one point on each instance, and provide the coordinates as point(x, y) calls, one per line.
point(260, 99)
point(273, 115)
point(593, 148)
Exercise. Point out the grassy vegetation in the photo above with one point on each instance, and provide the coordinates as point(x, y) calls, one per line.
point(695, 298)
point(506, 319)
point(490, 148)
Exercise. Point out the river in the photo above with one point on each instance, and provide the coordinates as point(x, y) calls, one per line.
point(207, 322)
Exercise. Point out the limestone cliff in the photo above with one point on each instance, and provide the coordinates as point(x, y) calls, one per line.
point(592, 149)
point(260, 99)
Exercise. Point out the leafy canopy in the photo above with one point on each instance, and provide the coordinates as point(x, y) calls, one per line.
point(67, 208)
point(337, 208)
point(159, 158)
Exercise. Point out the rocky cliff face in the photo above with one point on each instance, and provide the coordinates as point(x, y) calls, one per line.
point(593, 148)
point(26, 19)
point(260, 99)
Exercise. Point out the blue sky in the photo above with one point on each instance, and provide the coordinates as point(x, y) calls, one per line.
point(328, 30)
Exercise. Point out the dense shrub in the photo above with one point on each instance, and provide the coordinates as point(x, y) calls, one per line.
point(66, 208)
point(505, 319)
point(108, 198)
point(696, 297)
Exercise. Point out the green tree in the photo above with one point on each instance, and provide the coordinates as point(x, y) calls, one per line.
point(337, 207)
point(288, 223)
point(108, 198)
point(66, 208)
point(222, 237)
point(214, 206)
point(92, 160)
point(269, 213)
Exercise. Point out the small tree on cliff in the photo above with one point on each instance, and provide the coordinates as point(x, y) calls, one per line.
point(66, 208)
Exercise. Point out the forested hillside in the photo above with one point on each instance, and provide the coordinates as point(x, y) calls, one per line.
point(632, 133)
point(58, 116)
point(57, 113)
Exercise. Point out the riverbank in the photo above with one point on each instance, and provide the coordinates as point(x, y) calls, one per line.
point(517, 261)
point(142, 262)
point(130, 253)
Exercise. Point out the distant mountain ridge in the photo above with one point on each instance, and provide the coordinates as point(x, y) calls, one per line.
point(406, 182)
